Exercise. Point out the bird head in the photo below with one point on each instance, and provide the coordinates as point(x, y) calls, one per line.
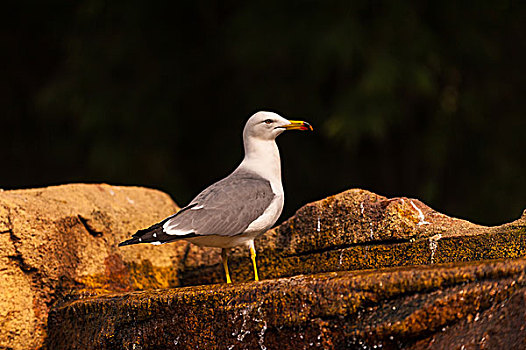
point(268, 125)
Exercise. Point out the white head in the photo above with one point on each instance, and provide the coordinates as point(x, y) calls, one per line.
point(268, 125)
point(261, 152)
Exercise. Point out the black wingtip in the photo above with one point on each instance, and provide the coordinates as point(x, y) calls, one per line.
point(129, 242)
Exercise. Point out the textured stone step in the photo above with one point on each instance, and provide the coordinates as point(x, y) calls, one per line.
point(411, 307)
point(356, 230)
point(60, 243)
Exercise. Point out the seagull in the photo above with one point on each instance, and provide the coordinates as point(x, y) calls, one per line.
point(240, 207)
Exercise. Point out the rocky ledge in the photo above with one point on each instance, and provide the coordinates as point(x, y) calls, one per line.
point(477, 305)
point(355, 269)
point(357, 230)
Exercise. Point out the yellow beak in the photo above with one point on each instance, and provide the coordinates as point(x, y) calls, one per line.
point(298, 125)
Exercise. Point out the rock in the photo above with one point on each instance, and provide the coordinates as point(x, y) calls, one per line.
point(60, 242)
point(358, 229)
point(58, 250)
point(501, 326)
point(437, 306)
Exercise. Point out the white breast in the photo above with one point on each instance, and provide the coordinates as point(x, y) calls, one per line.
point(270, 215)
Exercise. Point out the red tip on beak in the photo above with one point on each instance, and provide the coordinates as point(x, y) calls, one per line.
point(299, 125)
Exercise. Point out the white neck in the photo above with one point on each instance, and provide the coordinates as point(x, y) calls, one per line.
point(262, 157)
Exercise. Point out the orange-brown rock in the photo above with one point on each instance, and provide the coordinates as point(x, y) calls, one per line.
point(58, 248)
point(358, 229)
point(440, 307)
point(58, 240)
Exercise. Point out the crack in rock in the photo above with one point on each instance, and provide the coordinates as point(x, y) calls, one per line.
point(87, 226)
point(19, 260)
point(385, 242)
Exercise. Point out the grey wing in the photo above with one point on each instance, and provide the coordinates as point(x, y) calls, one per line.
point(226, 208)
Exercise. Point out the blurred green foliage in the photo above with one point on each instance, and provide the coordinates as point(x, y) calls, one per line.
point(411, 98)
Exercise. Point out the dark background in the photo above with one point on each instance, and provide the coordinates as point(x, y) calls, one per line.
point(407, 98)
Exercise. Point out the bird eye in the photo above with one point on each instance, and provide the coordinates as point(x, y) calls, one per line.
point(268, 121)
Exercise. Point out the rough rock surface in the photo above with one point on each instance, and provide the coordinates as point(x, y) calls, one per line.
point(358, 229)
point(58, 239)
point(475, 305)
point(58, 249)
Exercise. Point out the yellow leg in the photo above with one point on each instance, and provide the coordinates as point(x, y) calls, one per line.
point(224, 257)
point(253, 257)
